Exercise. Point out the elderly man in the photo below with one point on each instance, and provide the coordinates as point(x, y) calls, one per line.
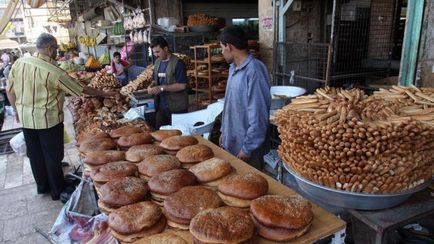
point(247, 100)
point(36, 91)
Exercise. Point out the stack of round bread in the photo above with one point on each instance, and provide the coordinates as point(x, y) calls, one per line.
point(281, 218)
point(173, 144)
point(157, 164)
point(212, 171)
point(136, 221)
point(169, 182)
point(182, 206)
point(240, 189)
point(121, 192)
point(185, 205)
point(223, 225)
point(191, 155)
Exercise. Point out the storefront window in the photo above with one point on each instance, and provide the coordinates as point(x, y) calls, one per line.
point(249, 25)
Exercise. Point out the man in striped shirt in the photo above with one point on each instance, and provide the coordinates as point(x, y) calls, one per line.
point(36, 91)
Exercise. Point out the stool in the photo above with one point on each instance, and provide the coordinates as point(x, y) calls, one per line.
point(419, 205)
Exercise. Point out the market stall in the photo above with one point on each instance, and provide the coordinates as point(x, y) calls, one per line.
point(323, 225)
point(114, 152)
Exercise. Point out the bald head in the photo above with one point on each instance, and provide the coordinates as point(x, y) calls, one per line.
point(47, 45)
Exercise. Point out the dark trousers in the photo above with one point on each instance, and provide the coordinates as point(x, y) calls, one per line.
point(163, 116)
point(45, 151)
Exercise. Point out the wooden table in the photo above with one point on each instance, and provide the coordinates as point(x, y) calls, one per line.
point(324, 223)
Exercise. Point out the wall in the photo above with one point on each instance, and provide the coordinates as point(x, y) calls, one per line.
point(303, 26)
point(228, 11)
point(266, 32)
point(380, 28)
point(425, 75)
point(168, 8)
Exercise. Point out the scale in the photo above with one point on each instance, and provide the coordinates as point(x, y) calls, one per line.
point(143, 99)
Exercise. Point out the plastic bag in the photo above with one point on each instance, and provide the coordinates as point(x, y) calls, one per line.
point(134, 113)
point(79, 221)
point(18, 144)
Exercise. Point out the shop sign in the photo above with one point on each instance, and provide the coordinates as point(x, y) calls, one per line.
point(267, 23)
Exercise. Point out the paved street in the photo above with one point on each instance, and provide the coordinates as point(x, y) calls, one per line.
point(21, 209)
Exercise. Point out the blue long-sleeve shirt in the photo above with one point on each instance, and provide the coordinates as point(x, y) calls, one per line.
point(247, 107)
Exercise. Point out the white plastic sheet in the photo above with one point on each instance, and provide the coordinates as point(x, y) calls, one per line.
point(79, 220)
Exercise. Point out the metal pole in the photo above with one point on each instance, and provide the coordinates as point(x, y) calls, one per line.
point(275, 39)
point(331, 45)
point(410, 48)
point(396, 16)
point(282, 24)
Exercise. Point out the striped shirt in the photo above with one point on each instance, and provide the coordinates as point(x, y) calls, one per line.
point(40, 86)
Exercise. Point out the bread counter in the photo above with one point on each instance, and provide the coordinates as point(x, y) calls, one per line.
point(324, 223)
point(117, 186)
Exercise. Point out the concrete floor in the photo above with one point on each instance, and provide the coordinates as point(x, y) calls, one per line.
point(21, 208)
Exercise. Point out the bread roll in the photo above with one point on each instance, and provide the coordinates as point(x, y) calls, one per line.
point(125, 131)
point(157, 164)
point(279, 234)
point(155, 229)
point(139, 152)
point(114, 170)
point(182, 206)
point(102, 157)
point(135, 217)
point(245, 186)
point(290, 212)
point(101, 144)
point(175, 143)
point(194, 154)
point(171, 181)
point(135, 139)
point(222, 225)
point(124, 191)
point(211, 169)
point(160, 135)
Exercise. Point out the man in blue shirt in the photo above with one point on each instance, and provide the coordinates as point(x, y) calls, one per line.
point(169, 83)
point(247, 100)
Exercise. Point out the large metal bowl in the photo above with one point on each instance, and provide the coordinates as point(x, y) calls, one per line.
point(354, 200)
point(282, 95)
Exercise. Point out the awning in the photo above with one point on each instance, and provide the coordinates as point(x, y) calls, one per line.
point(8, 44)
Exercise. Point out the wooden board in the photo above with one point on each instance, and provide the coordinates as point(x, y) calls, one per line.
point(323, 225)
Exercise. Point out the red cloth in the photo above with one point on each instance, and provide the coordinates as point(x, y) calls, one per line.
point(123, 62)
